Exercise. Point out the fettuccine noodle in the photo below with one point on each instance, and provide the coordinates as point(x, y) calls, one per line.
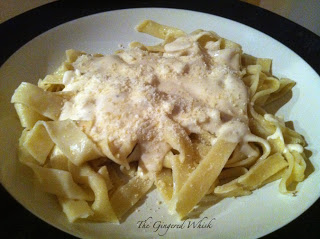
point(186, 115)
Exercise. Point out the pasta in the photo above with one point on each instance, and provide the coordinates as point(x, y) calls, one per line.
point(187, 115)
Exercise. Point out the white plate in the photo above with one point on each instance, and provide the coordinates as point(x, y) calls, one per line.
point(247, 217)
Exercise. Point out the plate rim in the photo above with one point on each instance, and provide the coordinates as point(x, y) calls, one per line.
point(198, 12)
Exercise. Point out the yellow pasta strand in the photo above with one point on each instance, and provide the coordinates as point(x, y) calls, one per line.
point(58, 160)
point(72, 141)
point(129, 194)
point(164, 184)
point(27, 116)
point(262, 171)
point(38, 142)
point(202, 177)
point(157, 30)
point(60, 182)
point(75, 209)
point(45, 103)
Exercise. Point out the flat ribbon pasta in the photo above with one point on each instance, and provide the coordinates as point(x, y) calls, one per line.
point(188, 115)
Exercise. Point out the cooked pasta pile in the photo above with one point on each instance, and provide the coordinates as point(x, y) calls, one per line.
point(186, 115)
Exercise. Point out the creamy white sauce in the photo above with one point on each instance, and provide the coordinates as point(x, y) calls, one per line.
point(248, 150)
point(278, 134)
point(67, 77)
point(294, 147)
point(126, 95)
